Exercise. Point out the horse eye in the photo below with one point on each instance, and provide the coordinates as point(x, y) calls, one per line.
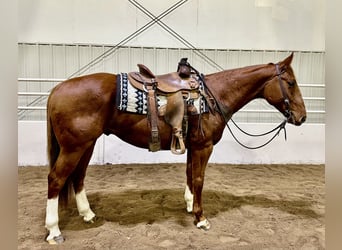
point(291, 83)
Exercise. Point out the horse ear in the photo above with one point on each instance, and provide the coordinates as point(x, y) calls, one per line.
point(287, 61)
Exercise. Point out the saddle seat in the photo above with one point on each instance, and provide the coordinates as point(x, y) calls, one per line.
point(177, 91)
point(167, 83)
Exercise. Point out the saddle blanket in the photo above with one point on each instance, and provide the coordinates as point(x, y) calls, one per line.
point(133, 100)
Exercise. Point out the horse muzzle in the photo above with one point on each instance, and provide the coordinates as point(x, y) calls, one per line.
point(296, 121)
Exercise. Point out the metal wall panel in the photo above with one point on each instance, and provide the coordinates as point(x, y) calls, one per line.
point(39, 64)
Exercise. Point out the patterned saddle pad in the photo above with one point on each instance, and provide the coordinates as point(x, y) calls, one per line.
point(133, 100)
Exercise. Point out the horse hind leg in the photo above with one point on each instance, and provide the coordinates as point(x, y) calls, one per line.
point(59, 174)
point(51, 222)
point(78, 176)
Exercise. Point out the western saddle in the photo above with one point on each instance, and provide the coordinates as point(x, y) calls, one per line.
point(178, 87)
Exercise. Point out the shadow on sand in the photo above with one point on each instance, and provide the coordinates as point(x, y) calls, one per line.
point(147, 206)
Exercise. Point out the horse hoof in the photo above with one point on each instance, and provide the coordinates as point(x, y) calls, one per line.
point(91, 221)
point(204, 224)
point(56, 240)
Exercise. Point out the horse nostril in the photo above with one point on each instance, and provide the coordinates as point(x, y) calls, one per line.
point(303, 119)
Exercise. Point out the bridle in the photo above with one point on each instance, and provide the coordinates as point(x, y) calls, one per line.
point(287, 112)
point(281, 126)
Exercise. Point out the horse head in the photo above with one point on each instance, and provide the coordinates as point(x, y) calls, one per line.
point(282, 92)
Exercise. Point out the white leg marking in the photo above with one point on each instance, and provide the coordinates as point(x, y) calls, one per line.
point(189, 199)
point(51, 220)
point(204, 224)
point(83, 206)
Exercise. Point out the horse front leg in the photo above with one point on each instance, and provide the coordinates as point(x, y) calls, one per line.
point(198, 160)
point(188, 194)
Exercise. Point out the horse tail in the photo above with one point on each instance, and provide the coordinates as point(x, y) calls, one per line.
point(53, 146)
point(53, 149)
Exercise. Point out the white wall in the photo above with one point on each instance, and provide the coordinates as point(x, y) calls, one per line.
point(229, 24)
point(305, 145)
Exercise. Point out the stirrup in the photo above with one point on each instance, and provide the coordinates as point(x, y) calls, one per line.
point(177, 143)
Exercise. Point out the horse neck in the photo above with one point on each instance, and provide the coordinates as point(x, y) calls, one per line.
point(235, 88)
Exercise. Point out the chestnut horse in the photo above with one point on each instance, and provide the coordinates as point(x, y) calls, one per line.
point(81, 109)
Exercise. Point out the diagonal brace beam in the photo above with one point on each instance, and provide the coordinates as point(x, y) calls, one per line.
point(21, 113)
point(175, 34)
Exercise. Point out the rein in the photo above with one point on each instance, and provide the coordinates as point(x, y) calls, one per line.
point(280, 127)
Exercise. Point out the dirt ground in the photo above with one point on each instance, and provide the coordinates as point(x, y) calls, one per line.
point(142, 207)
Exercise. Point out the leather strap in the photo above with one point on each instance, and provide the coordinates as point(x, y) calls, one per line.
point(185, 119)
point(287, 112)
point(154, 144)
